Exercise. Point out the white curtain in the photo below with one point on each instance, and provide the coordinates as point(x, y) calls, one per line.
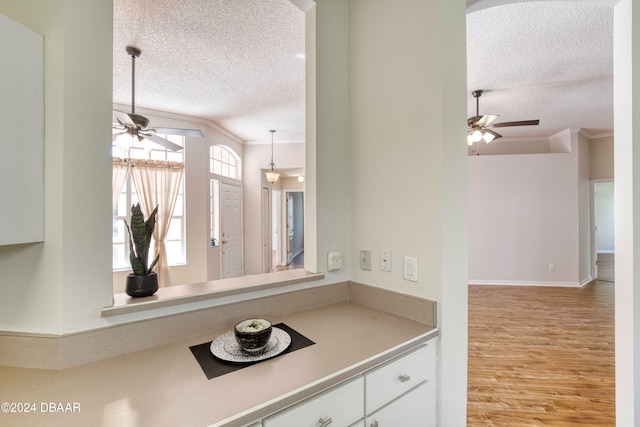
point(118, 176)
point(157, 184)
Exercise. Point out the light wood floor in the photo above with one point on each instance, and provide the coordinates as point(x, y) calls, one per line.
point(541, 356)
point(606, 267)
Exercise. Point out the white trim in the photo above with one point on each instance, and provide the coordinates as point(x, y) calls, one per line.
point(611, 251)
point(524, 283)
point(586, 281)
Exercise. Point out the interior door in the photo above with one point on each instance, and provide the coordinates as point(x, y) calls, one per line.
point(231, 226)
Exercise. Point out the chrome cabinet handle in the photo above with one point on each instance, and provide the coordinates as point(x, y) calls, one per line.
point(404, 378)
point(325, 421)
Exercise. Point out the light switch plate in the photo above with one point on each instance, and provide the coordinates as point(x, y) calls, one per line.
point(334, 260)
point(411, 269)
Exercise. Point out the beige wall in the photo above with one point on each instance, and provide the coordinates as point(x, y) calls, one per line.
point(505, 146)
point(601, 158)
point(257, 158)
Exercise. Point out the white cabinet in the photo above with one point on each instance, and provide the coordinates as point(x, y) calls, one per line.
point(401, 392)
point(408, 410)
point(341, 406)
point(22, 142)
point(397, 377)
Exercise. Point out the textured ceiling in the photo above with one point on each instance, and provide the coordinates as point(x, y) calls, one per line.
point(236, 63)
point(551, 61)
point(233, 62)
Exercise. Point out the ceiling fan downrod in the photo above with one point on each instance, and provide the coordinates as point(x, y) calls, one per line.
point(477, 94)
point(134, 52)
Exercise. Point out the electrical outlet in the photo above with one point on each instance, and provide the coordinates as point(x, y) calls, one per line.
point(385, 260)
point(552, 267)
point(334, 260)
point(365, 260)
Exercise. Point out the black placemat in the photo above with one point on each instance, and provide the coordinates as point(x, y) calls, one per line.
point(214, 367)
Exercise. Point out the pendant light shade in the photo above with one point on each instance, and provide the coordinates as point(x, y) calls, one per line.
point(272, 173)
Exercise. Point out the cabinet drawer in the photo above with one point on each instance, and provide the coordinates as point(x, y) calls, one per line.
point(408, 411)
point(400, 375)
point(344, 405)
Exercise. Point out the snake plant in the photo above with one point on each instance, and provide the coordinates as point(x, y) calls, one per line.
point(140, 240)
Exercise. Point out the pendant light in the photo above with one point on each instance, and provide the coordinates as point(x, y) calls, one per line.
point(272, 174)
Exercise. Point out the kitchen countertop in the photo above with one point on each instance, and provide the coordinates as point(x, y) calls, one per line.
point(165, 386)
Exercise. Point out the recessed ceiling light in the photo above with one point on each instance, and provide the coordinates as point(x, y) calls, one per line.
point(300, 55)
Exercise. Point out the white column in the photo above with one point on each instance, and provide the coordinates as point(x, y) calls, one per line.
point(627, 195)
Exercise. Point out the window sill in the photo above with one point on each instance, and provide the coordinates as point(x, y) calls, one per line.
point(183, 294)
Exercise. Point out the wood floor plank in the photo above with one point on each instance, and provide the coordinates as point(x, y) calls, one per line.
point(541, 356)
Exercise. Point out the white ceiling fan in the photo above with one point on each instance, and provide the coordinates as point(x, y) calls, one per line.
point(136, 125)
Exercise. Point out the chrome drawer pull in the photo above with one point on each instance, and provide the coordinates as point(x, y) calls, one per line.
point(325, 421)
point(404, 378)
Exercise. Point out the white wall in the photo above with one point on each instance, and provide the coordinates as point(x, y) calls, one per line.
point(529, 211)
point(523, 216)
point(627, 193)
point(407, 155)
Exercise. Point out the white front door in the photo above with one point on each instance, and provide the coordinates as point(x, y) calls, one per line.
point(231, 230)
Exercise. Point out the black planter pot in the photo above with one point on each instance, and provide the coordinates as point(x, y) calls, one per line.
point(142, 286)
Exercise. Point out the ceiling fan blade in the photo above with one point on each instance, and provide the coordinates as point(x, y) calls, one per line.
point(496, 135)
point(487, 119)
point(519, 123)
point(131, 120)
point(184, 132)
point(161, 141)
point(124, 119)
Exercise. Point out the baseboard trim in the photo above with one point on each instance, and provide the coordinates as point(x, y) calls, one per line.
point(524, 283)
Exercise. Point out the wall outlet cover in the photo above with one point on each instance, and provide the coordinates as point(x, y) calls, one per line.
point(365, 260)
point(334, 260)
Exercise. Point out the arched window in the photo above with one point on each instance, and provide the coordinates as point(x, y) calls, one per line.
point(224, 161)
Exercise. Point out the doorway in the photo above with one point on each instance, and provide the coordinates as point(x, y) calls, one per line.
point(603, 230)
point(295, 224)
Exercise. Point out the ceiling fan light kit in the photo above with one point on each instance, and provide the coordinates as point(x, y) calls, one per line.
point(131, 126)
point(272, 173)
point(479, 127)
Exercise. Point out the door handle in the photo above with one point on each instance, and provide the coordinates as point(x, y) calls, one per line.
point(224, 242)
